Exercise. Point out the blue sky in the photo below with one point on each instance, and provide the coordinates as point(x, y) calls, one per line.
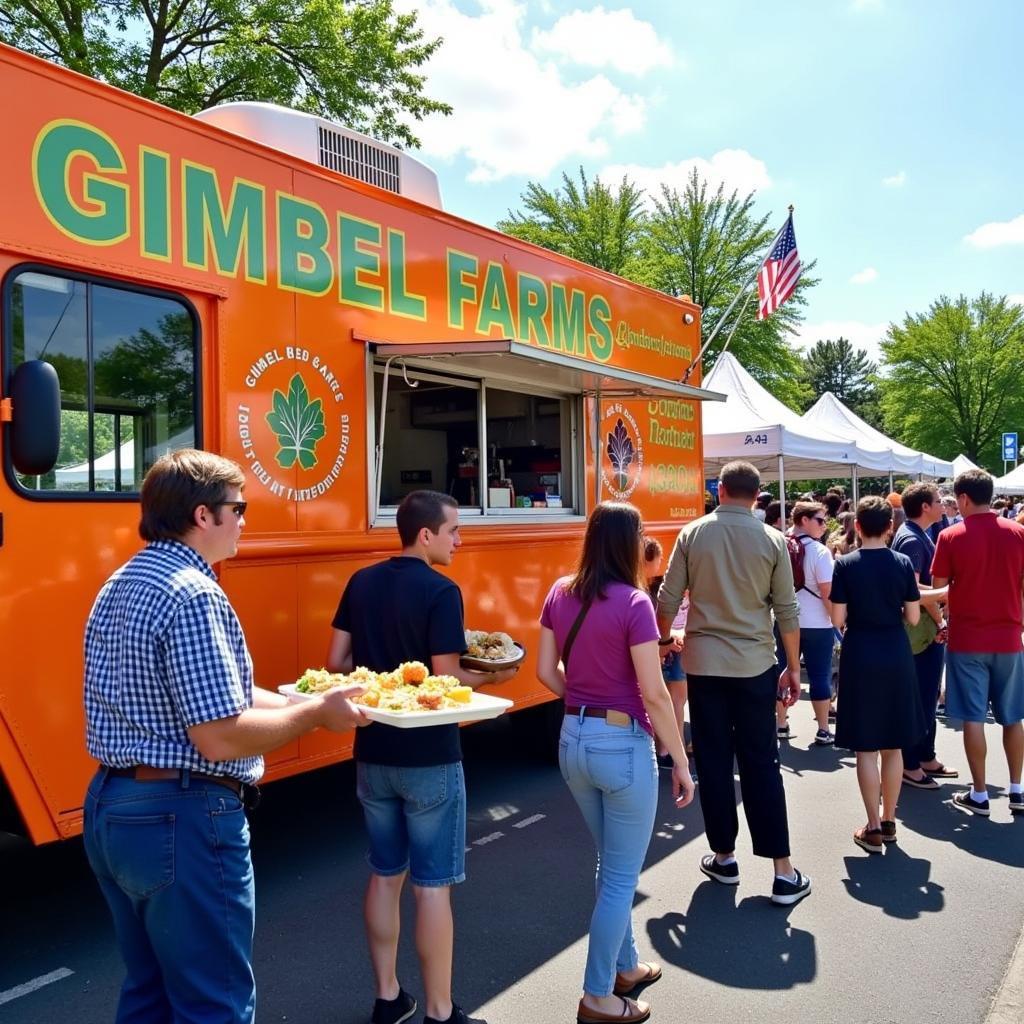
point(893, 126)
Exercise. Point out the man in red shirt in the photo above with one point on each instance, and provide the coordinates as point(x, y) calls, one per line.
point(982, 559)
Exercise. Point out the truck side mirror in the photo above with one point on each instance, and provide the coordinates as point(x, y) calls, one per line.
point(35, 425)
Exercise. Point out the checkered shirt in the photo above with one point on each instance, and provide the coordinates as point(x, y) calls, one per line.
point(164, 651)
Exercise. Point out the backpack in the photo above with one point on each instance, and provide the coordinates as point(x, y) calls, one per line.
point(795, 547)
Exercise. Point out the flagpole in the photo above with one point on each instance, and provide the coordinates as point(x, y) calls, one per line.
point(725, 315)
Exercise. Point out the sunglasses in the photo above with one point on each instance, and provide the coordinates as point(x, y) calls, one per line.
point(818, 519)
point(238, 507)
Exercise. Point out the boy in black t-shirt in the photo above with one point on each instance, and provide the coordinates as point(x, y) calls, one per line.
point(410, 781)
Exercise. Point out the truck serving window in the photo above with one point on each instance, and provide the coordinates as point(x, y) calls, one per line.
point(498, 451)
point(126, 361)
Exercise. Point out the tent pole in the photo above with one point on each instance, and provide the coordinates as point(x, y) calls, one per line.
point(782, 493)
point(855, 486)
point(891, 485)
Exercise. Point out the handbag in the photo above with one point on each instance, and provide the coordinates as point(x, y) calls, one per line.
point(921, 636)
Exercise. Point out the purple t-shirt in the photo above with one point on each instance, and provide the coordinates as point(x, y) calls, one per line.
point(601, 673)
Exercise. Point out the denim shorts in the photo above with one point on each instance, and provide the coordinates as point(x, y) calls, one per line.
point(816, 646)
point(975, 680)
point(672, 668)
point(416, 820)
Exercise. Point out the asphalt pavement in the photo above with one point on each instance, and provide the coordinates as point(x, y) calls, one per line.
point(922, 934)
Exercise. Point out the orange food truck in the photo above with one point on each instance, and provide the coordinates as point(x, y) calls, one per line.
point(264, 284)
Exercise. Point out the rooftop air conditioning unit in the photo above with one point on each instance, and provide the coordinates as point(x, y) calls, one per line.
point(322, 142)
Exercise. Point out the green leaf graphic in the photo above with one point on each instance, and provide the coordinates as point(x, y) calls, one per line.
point(298, 424)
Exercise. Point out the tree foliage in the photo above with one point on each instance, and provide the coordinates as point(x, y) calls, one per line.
point(587, 221)
point(848, 373)
point(954, 377)
point(700, 243)
point(354, 61)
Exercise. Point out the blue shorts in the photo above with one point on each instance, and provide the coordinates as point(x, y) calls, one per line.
point(416, 820)
point(672, 668)
point(973, 681)
point(816, 647)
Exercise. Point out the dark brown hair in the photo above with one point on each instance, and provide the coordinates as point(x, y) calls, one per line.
point(916, 496)
point(874, 516)
point(419, 509)
point(741, 479)
point(652, 549)
point(773, 515)
point(805, 509)
point(612, 551)
point(976, 484)
point(177, 484)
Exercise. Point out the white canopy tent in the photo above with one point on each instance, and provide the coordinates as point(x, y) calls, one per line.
point(1012, 483)
point(106, 466)
point(961, 464)
point(753, 425)
point(828, 413)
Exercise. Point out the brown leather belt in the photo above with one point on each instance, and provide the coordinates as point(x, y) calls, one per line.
point(147, 773)
point(610, 715)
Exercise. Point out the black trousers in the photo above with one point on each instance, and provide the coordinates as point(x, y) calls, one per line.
point(734, 718)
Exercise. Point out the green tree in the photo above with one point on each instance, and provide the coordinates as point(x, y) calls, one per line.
point(354, 61)
point(708, 245)
point(848, 373)
point(588, 221)
point(953, 378)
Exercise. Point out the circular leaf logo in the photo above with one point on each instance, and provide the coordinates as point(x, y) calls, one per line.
point(298, 424)
point(624, 456)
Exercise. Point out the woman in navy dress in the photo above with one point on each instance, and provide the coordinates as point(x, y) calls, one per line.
point(874, 591)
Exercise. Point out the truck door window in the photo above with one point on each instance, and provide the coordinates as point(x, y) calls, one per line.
point(126, 361)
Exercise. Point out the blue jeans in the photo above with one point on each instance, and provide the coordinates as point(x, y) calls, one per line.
point(612, 774)
point(416, 821)
point(816, 647)
point(172, 861)
point(928, 669)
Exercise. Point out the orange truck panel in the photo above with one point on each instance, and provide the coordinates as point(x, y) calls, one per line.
point(288, 267)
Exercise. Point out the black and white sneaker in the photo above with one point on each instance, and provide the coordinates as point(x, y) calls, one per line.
point(727, 874)
point(785, 893)
point(823, 738)
point(783, 732)
point(393, 1011)
point(1017, 803)
point(963, 802)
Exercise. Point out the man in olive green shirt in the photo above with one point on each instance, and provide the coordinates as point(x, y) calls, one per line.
point(737, 572)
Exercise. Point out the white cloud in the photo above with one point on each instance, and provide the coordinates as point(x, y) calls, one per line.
point(865, 276)
point(1007, 232)
point(598, 38)
point(735, 168)
point(897, 180)
point(860, 335)
point(1016, 300)
point(514, 113)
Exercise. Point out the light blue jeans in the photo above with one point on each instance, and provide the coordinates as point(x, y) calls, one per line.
point(612, 774)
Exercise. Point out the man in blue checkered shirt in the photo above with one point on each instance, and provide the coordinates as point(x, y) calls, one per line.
point(179, 730)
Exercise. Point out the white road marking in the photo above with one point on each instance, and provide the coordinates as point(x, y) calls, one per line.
point(484, 840)
point(529, 821)
point(36, 983)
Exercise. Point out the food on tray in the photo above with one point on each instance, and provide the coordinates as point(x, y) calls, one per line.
point(490, 646)
point(409, 687)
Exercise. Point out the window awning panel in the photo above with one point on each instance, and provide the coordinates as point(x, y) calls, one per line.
point(519, 363)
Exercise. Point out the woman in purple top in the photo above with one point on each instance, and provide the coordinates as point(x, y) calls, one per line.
point(615, 701)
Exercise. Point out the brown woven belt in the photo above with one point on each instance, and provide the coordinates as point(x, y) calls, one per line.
point(147, 773)
point(610, 715)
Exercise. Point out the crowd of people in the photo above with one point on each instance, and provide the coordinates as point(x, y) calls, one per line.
point(179, 729)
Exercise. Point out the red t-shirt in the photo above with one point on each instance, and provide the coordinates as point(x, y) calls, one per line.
point(983, 559)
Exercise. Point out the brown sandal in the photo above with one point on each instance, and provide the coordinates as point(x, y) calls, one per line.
point(623, 986)
point(631, 1014)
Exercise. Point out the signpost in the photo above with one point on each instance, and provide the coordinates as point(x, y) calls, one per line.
point(1009, 450)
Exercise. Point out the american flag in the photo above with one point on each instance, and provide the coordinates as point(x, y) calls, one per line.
point(777, 278)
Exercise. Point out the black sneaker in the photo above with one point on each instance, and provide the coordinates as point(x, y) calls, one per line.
point(458, 1017)
point(785, 893)
point(888, 831)
point(963, 802)
point(727, 874)
point(823, 738)
point(393, 1011)
point(783, 732)
point(1017, 803)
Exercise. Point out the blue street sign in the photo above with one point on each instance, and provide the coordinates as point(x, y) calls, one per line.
point(1010, 447)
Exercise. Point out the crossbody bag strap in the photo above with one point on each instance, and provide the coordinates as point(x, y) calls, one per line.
point(571, 638)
